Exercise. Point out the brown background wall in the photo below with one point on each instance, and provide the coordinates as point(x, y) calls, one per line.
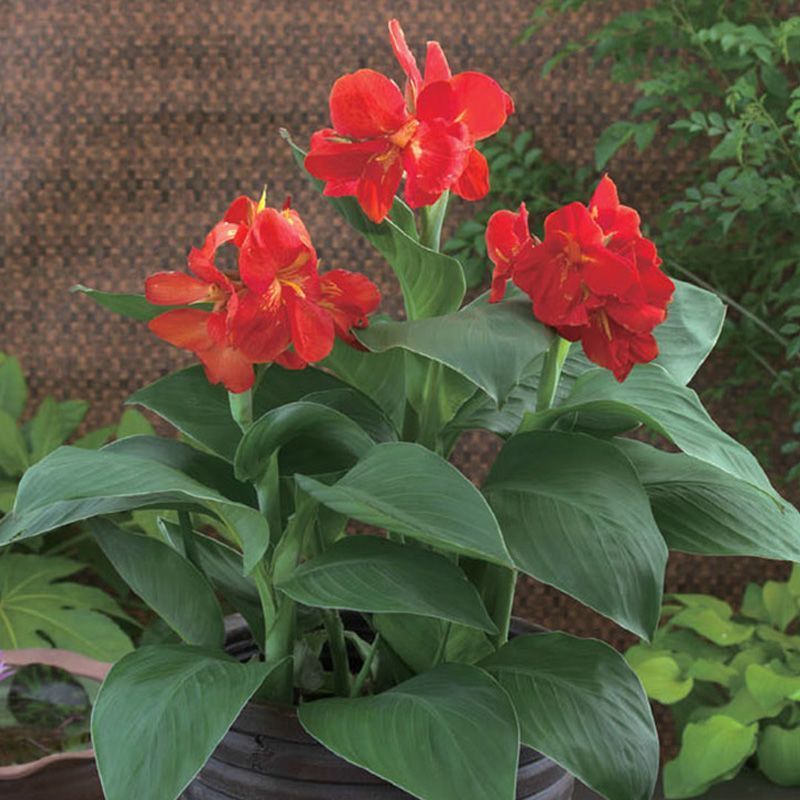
point(130, 125)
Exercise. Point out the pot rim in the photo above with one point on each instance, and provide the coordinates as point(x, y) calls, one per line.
point(75, 664)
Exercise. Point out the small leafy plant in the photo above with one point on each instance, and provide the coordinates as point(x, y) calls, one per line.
point(733, 682)
point(309, 412)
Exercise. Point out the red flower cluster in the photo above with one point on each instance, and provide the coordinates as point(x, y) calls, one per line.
point(594, 278)
point(429, 134)
point(277, 307)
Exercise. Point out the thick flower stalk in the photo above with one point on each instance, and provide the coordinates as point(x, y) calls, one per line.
point(275, 307)
point(594, 278)
point(379, 134)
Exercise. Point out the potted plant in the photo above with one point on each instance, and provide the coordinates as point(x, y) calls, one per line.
point(46, 697)
point(732, 680)
point(384, 665)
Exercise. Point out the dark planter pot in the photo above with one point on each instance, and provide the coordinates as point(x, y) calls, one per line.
point(267, 754)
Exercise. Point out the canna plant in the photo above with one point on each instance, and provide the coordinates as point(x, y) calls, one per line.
point(308, 412)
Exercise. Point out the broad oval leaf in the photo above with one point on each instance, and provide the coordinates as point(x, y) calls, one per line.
point(407, 489)
point(433, 283)
point(574, 515)
point(35, 599)
point(134, 306)
point(73, 484)
point(367, 573)
point(319, 439)
point(490, 344)
point(450, 734)
point(161, 712)
point(360, 408)
point(166, 581)
point(651, 397)
point(779, 755)
point(703, 509)
point(579, 703)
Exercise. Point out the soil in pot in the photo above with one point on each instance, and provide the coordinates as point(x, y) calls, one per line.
point(267, 754)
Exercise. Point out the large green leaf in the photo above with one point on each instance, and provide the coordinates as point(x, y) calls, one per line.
point(165, 581)
point(73, 484)
point(161, 712)
point(367, 573)
point(600, 404)
point(410, 490)
point(318, 439)
point(579, 703)
point(35, 600)
point(450, 734)
point(711, 751)
point(13, 389)
point(574, 515)
point(14, 456)
point(779, 755)
point(360, 408)
point(432, 283)
point(703, 509)
point(134, 306)
point(489, 344)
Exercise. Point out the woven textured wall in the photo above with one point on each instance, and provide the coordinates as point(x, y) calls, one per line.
point(130, 125)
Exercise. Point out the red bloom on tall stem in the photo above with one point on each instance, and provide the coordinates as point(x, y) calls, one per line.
point(276, 307)
point(594, 277)
point(429, 134)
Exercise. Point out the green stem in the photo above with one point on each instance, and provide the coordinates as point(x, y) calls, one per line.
point(338, 648)
point(241, 404)
point(551, 373)
point(432, 219)
point(366, 667)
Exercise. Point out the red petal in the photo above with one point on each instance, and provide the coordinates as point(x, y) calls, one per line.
point(350, 291)
point(226, 365)
point(404, 55)
point(186, 328)
point(275, 242)
point(175, 289)
point(201, 260)
point(573, 222)
point(260, 329)
point(506, 232)
point(312, 328)
point(436, 66)
point(288, 359)
point(340, 163)
point(477, 100)
point(378, 184)
point(433, 160)
point(618, 221)
point(241, 212)
point(473, 183)
point(366, 104)
point(606, 274)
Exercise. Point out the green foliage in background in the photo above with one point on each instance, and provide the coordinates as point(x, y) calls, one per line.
point(733, 681)
point(716, 84)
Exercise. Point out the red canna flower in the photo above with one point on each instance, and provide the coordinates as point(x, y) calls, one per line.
point(378, 134)
point(594, 278)
point(275, 308)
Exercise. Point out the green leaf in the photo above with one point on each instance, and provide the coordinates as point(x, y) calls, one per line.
point(432, 283)
point(72, 484)
point(165, 581)
point(34, 600)
point(378, 375)
point(71, 414)
point(579, 703)
point(720, 631)
point(45, 430)
point(600, 404)
point(13, 389)
point(359, 408)
point(96, 439)
point(132, 423)
point(367, 573)
point(407, 489)
point(661, 678)
point(318, 439)
point(574, 515)
point(711, 751)
point(13, 452)
point(782, 606)
point(134, 306)
point(177, 703)
point(770, 688)
point(489, 344)
point(779, 755)
point(701, 508)
point(611, 140)
point(450, 734)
